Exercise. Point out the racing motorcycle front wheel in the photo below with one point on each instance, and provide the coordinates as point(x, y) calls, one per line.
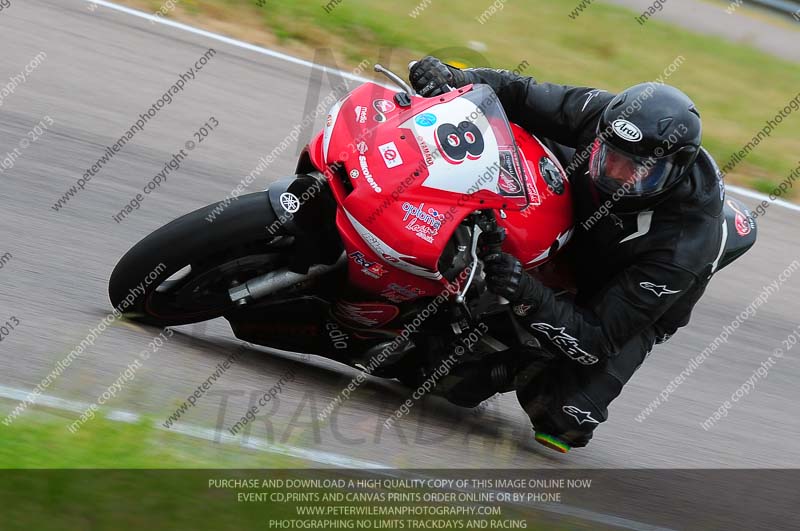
point(182, 272)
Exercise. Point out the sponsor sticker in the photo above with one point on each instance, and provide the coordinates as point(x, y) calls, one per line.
point(426, 119)
point(426, 151)
point(339, 338)
point(371, 269)
point(361, 114)
point(391, 155)
point(424, 223)
point(368, 175)
point(365, 314)
point(384, 106)
point(509, 183)
point(397, 293)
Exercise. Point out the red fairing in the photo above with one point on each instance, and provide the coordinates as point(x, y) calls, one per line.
point(406, 177)
point(536, 233)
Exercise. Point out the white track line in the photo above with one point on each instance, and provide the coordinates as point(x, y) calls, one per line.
point(326, 458)
point(228, 40)
point(761, 197)
point(253, 443)
point(296, 60)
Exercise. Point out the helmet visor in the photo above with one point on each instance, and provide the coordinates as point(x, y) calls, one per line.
point(614, 171)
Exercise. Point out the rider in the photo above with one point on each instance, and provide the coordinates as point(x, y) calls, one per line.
point(639, 269)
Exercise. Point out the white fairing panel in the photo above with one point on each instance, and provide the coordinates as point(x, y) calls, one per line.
point(330, 124)
point(479, 168)
point(381, 248)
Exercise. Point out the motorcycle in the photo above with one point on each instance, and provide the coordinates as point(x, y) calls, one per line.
point(368, 255)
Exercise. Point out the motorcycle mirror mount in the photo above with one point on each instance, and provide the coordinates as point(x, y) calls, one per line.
point(397, 80)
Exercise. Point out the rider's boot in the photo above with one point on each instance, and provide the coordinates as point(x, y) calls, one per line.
point(473, 382)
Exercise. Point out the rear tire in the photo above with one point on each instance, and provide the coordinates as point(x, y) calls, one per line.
point(234, 244)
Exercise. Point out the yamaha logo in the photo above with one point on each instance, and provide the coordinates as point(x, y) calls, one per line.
point(626, 130)
point(290, 202)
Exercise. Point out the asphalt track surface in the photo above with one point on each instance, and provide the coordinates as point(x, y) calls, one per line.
point(102, 69)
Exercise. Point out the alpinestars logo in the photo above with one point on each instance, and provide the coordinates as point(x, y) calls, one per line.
point(659, 290)
point(568, 344)
point(580, 416)
point(589, 95)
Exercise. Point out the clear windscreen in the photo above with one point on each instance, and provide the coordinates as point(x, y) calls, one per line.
point(469, 146)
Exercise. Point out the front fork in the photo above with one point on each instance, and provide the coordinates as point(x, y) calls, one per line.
point(304, 211)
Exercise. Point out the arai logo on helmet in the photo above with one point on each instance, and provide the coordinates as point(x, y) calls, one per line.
point(626, 130)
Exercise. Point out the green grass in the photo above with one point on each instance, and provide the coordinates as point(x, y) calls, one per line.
point(55, 481)
point(736, 87)
point(120, 499)
point(41, 440)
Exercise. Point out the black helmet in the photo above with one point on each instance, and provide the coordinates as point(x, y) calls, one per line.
point(647, 139)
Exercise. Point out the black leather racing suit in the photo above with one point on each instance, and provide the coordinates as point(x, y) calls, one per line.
point(638, 275)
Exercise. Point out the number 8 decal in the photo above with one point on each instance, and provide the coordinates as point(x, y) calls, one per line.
point(458, 143)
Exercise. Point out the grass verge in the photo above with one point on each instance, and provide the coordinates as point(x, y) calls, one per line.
point(41, 440)
point(115, 475)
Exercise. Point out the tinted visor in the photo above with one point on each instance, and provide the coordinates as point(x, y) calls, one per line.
point(615, 171)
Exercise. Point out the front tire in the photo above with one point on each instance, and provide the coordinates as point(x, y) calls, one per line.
point(209, 258)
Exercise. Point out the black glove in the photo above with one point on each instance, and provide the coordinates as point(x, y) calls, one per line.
point(491, 241)
point(506, 277)
point(430, 76)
